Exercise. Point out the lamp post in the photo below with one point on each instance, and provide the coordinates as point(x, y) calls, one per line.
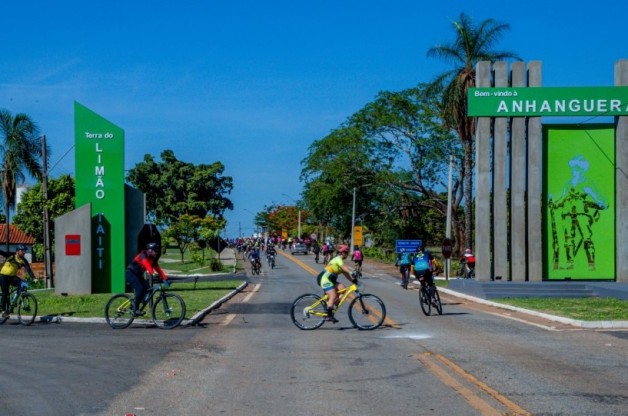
point(46, 220)
point(353, 223)
point(299, 223)
point(353, 215)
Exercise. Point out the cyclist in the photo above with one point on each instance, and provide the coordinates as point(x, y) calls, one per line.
point(468, 263)
point(404, 261)
point(271, 253)
point(254, 259)
point(328, 279)
point(423, 267)
point(328, 251)
point(316, 249)
point(144, 261)
point(357, 257)
point(9, 277)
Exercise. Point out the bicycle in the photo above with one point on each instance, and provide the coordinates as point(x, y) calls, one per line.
point(26, 304)
point(428, 297)
point(405, 275)
point(167, 310)
point(366, 311)
point(256, 267)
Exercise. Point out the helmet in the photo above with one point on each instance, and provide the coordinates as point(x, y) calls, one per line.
point(343, 248)
point(20, 247)
point(152, 246)
point(467, 251)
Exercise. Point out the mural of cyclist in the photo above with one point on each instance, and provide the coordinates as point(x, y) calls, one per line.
point(576, 210)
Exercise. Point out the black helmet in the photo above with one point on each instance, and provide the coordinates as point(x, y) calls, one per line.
point(20, 247)
point(153, 246)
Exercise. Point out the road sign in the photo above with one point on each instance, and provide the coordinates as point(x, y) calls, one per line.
point(447, 248)
point(408, 245)
point(357, 236)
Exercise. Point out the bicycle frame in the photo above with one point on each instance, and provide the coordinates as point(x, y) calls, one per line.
point(343, 295)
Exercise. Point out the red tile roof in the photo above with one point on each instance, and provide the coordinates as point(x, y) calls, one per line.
point(16, 236)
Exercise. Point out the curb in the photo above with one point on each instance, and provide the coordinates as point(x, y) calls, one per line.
point(567, 321)
point(194, 320)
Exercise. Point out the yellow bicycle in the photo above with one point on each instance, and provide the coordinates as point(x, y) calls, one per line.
point(366, 311)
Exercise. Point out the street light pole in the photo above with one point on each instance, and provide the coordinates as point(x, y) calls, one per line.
point(299, 218)
point(353, 223)
point(44, 186)
point(448, 224)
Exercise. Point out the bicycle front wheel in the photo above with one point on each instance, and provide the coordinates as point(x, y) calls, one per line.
point(436, 301)
point(168, 311)
point(426, 304)
point(308, 312)
point(118, 312)
point(26, 308)
point(367, 312)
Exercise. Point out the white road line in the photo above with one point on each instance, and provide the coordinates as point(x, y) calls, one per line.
point(503, 315)
point(228, 319)
point(250, 295)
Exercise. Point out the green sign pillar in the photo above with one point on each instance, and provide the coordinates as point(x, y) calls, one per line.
point(99, 160)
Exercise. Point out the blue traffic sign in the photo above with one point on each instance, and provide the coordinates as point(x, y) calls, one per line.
point(408, 245)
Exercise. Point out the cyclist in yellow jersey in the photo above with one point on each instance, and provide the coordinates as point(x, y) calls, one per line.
point(8, 274)
point(328, 279)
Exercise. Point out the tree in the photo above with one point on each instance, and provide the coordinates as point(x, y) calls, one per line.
point(335, 164)
point(20, 154)
point(395, 152)
point(407, 125)
point(191, 228)
point(29, 216)
point(471, 45)
point(174, 188)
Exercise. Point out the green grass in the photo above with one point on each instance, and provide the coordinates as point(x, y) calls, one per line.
point(197, 297)
point(583, 309)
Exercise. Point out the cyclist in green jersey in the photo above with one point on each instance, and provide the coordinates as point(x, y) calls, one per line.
point(9, 277)
point(328, 279)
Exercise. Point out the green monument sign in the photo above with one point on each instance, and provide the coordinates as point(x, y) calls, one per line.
point(99, 160)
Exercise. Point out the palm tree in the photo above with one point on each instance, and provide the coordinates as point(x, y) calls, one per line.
point(472, 45)
point(20, 153)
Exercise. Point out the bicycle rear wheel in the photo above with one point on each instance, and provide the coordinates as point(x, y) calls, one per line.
point(118, 312)
point(308, 312)
point(168, 311)
point(26, 308)
point(424, 297)
point(367, 312)
point(436, 300)
point(405, 278)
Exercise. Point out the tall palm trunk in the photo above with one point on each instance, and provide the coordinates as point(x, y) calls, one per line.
point(468, 193)
point(7, 231)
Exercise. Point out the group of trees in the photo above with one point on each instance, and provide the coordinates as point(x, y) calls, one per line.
point(188, 201)
point(394, 153)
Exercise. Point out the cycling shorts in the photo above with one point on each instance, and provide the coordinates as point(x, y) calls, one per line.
point(327, 280)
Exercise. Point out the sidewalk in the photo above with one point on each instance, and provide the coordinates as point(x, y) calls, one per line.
point(390, 269)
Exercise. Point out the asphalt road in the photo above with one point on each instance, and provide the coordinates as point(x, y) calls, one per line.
point(247, 358)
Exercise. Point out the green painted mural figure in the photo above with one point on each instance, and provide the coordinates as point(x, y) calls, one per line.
point(577, 209)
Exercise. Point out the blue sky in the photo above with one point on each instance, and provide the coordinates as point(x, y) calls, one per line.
point(253, 84)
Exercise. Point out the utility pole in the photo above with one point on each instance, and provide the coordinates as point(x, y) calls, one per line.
point(44, 186)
